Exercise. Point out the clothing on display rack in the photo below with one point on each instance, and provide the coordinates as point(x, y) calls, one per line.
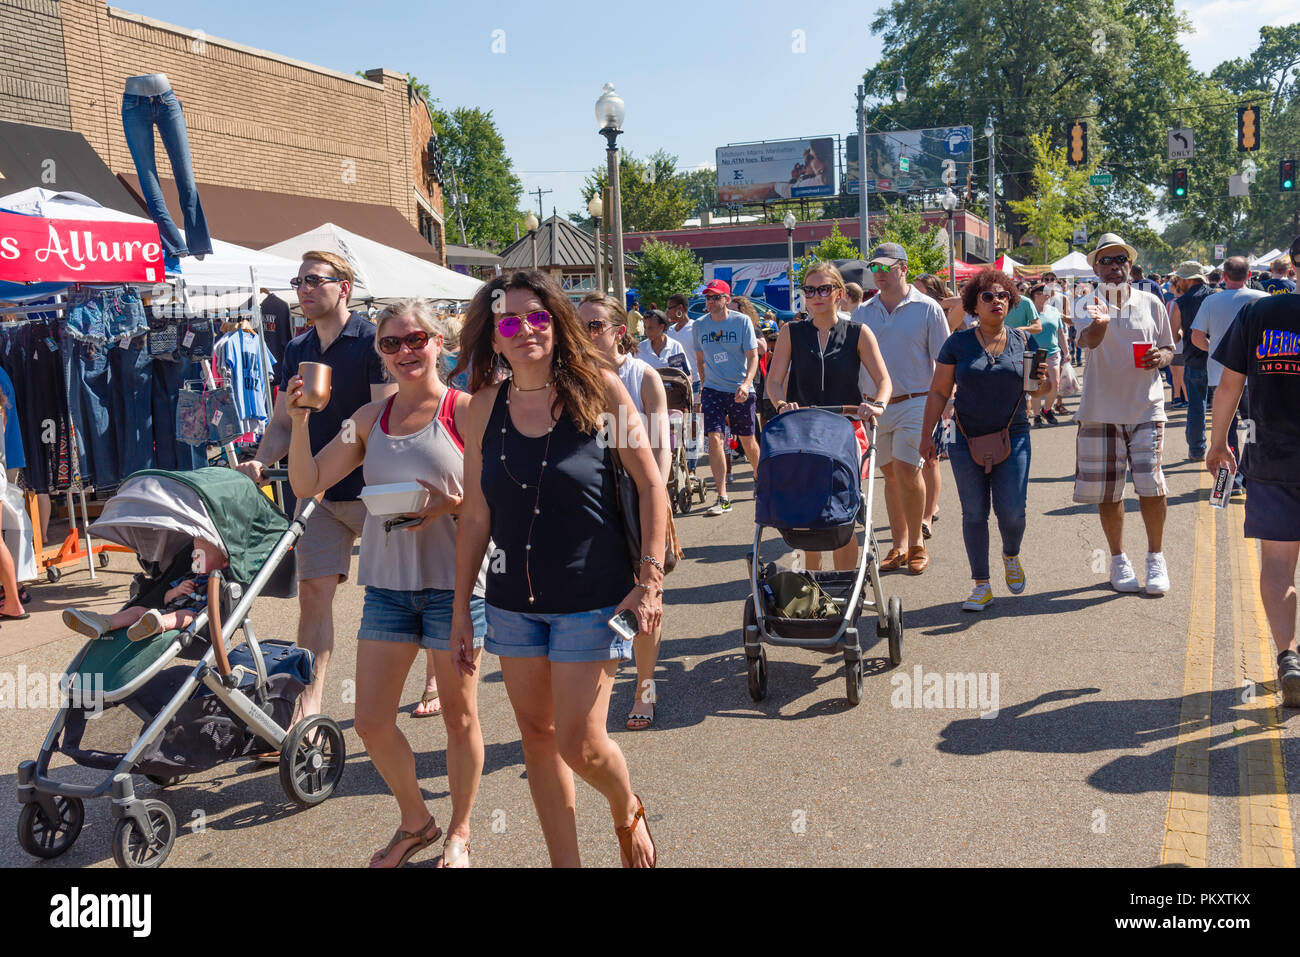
point(13, 444)
point(277, 325)
point(30, 354)
point(171, 450)
point(191, 418)
point(245, 365)
point(197, 338)
point(106, 316)
point(223, 417)
point(149, 102)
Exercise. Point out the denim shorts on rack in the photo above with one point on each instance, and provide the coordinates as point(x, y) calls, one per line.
point(422, 616)
point(191, 418)
point(108, 316)
point(164, 342)
point(197, 338)
point(222, 415)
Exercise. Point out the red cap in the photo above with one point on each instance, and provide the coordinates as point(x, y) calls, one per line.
point(717, 286)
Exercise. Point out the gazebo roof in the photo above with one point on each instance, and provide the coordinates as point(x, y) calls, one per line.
point(559, 243)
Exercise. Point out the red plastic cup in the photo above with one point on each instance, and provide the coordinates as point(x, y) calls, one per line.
point(1140, 349)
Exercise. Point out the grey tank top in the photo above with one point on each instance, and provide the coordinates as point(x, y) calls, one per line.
point(404, 559)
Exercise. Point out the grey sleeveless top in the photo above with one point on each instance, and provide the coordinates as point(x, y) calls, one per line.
point(405, 559)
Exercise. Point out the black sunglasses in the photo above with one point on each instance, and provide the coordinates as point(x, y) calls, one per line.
point(988, 295)
point(311, 281)
point(823, 290)
point(415, 341)
point(712, 298)
point(1118, 260)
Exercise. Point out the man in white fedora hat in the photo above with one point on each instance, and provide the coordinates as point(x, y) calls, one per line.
point(1121, 414)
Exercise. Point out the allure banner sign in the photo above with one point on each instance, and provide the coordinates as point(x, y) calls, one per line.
point(34, 249)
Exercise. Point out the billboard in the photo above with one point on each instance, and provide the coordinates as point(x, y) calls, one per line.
point(787, 169)
point(907, 160)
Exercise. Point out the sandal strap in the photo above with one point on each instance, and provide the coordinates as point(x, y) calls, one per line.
point(421, 835)
point(453, 851)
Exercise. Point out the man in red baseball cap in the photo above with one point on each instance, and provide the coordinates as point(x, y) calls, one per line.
point(726, 356)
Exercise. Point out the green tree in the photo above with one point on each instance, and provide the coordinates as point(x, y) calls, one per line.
point(1059, 200)
point(664, 269)
point(701, 189)
point(834, 246)
point(654, 194)
point(925, 254)
point(473, 147)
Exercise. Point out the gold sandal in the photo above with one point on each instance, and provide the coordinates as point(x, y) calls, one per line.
point(624, 834)
point(422, 839)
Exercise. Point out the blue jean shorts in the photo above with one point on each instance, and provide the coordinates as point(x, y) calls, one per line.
point(422, 616)
point(576, 637)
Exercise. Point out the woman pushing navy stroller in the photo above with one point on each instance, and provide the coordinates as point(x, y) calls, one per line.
point(809, 488)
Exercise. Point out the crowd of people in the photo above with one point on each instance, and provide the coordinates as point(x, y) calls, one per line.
point(531, 438)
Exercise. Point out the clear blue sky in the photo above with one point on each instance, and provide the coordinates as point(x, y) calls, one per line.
point(695, 75)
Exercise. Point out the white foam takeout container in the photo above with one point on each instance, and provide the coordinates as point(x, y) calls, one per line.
point(396, 498)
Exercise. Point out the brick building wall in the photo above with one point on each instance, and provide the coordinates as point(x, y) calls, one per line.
point(256, 120)
point(33, 75)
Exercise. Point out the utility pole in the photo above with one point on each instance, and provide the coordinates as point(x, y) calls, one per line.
point(993, 196)
point(540, 192)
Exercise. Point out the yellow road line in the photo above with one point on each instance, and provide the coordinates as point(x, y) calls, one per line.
point(1266, 839)
point(1187, 824)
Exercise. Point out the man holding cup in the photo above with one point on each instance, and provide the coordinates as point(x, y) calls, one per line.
point(344, 341)
point(1121, 413)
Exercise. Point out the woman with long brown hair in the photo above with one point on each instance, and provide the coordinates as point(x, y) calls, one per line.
point(540, 484)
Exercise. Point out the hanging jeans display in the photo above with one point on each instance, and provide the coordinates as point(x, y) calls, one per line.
point(109, 402)
point(30, 353)
point(107, 316)
point(172, 451)
point(140, 114)
point(132, 382)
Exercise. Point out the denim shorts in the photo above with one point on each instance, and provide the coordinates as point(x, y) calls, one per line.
point(421, 616)
point(576, 637)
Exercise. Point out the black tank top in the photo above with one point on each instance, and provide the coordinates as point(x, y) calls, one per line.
point(824, 378)
point(578, 561)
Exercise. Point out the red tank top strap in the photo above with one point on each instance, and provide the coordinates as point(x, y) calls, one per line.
point(383, 419)
point(447, 416)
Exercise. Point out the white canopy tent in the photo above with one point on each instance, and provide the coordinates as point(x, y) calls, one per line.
point(1266, 260)
point(1007, 264)
point(1074, 265)
point(382, 273)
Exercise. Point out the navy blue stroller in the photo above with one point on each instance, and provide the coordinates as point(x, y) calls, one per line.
point(809, 488)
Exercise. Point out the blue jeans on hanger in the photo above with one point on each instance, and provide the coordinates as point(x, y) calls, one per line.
point(140, 114)
point(1007, 487)
point(132, 404)
point(169, 453)
point(87, 372)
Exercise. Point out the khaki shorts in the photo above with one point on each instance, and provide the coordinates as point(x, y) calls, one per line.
point(1105, 453)
point(326, 546)
point(898, 433)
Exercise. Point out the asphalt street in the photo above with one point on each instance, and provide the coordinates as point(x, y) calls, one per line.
point(1129, 730)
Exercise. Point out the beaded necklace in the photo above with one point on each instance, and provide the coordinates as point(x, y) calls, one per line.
point(537, 501)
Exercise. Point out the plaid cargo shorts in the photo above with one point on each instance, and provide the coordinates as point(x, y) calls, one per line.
point(1105, 453)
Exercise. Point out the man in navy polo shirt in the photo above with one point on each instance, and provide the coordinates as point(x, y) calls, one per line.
point(344, 341)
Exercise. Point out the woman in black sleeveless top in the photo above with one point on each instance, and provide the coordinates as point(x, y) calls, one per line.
point(539, 483)
point(819, 361)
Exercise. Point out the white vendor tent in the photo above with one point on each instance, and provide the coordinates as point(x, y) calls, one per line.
point(1266, 260)
point(1007, 265)
point(382, 273)
point(1072, 266)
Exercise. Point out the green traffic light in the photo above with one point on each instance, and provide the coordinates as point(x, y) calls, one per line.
point(1287, 184)
point(1180, 191)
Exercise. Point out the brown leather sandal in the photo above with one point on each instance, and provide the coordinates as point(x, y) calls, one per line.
point(422, 839)
point(624, 834)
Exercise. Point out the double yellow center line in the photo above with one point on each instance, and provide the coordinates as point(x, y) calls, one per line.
point(1265, 816)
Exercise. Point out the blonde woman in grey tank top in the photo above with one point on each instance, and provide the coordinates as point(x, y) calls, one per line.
point(409, 572)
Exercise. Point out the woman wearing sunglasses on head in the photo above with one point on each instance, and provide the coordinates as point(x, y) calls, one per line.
point(986, 363)
point(540, 483)
point(817, 362)
point(409, 572)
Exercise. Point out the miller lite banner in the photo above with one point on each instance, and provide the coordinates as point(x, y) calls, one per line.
point(34, 249)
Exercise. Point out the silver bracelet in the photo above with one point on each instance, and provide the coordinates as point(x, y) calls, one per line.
point(653, 561)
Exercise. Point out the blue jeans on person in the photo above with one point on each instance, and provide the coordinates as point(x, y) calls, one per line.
point(140, 114)
point(1007, 486)
point(132, 381)
point(87, 373)
point(1196, 382)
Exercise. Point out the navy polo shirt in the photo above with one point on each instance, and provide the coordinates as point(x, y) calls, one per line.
point(356, 367)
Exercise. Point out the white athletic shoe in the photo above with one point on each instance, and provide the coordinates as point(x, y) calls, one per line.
point(1122, 575)
point(150, 624)
point(1157, 574)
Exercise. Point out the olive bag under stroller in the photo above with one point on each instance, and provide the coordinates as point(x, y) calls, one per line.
point(189, 717)
point(809, 488)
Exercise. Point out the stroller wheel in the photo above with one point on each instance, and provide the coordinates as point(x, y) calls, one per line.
point(895, 630)
point(41, 837)
point(132, 849)
point(684, 501)
point(853, 681)
point(166, 782)
point(757, 665)
point(311, 760)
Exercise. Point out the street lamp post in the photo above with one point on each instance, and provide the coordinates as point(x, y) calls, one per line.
point(863, 196)
point(594, 209)
point(993, 196)
point(789, 222)
point(949, 204)
point(610, 113)
point(531, 225)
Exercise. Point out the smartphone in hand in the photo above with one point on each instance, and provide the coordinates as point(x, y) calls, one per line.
point(624, 624)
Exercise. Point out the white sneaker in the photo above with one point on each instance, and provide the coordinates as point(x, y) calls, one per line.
point(980, 598)
point(1122, 575)
point(150, 624)
point(1157, 574)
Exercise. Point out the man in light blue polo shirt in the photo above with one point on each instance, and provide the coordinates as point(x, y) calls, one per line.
point(911, 329)
point(726, 357)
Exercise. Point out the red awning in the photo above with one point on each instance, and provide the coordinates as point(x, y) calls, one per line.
point(35, 249)
point(963, 270)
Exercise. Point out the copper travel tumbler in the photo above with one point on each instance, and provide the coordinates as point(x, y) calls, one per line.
point(315, 385)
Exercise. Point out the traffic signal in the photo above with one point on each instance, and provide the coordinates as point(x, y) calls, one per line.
point(970, 187)
point(1178, 183)
point(1286, 175)
point(1077, 149)
point(1247, 129)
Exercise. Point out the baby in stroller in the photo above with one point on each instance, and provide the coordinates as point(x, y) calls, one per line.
point(171, 604)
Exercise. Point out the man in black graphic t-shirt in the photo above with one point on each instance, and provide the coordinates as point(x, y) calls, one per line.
point(1262, 350)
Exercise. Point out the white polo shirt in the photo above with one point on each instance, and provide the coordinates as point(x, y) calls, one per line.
point(1115, 390)
point(910, 338)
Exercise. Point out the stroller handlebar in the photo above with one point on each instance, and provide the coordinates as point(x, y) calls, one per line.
point(847, 410)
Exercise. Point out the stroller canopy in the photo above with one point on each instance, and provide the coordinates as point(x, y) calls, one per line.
point(157, 513)
point(808, 471)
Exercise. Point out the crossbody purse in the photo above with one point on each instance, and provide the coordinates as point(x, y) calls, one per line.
point(995, 447)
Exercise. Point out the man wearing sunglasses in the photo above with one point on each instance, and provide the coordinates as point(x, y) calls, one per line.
point(1121, 413)
point(344, 341)
point(726, 355)
point(910, 328)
